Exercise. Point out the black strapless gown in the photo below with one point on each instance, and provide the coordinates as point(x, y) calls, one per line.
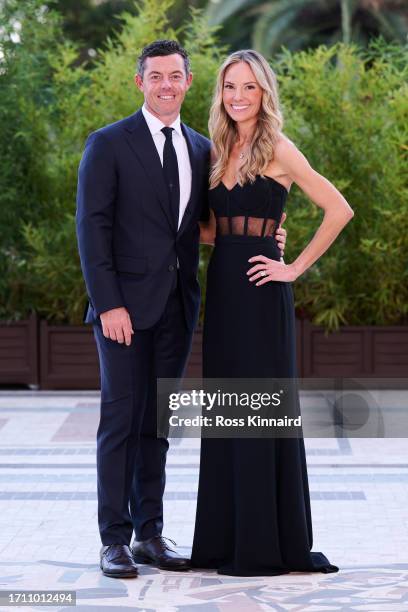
point(253, 506)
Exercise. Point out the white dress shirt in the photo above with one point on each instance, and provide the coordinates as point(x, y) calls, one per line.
point(183, 159)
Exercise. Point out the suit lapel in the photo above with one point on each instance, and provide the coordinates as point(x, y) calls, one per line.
point(141, 142)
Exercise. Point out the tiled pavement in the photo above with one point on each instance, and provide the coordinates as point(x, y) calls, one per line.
point(49, 538)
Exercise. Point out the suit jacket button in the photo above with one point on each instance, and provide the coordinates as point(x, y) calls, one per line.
point(171, 268)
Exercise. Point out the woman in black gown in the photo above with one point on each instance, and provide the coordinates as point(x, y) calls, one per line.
point(253, 505)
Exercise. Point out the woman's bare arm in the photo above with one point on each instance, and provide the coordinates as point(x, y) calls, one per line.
point(337, 213)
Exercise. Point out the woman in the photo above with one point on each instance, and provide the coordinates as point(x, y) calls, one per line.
point(253, 506)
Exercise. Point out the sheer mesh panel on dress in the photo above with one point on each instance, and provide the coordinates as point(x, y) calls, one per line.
point(222, 226)
point(245, 226)
point(270, 227)
point(237, 226)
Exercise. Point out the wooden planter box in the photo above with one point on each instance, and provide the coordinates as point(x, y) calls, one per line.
point(19, 352)
point(355, 352)
point(69, 358)
point(65, 356)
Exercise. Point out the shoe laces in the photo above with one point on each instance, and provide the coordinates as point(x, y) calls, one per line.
point(164, 546)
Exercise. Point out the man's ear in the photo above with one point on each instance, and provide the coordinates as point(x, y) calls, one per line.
point(189, 79)
point(139, 81)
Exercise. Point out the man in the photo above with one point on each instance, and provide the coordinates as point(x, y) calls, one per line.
point(142, 190)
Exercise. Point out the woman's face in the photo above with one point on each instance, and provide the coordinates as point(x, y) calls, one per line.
point(242, 95)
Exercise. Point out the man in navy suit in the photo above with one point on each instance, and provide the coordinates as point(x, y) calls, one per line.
point(142, 188)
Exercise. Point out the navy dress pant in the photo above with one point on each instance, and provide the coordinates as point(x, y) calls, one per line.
point(130, 458)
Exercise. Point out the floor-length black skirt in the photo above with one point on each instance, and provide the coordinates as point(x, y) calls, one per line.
point(253, 506)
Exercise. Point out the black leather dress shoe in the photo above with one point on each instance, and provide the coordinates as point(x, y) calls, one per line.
point(156, 552)
point(117, 561)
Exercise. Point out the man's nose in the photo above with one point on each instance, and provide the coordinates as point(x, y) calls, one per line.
point(166, 84)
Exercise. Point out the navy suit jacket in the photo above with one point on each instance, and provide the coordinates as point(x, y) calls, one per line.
point(127, 243)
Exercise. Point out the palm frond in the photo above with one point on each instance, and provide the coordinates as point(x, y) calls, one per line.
point(220, 10)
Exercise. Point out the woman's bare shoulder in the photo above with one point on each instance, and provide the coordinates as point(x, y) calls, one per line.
point(283, 155)
point(284, 145)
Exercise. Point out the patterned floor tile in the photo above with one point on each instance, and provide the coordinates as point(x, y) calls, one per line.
point(49, 537)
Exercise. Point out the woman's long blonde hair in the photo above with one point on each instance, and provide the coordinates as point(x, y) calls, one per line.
point(222, 128)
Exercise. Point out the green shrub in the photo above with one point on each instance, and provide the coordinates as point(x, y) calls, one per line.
point(346, 110)
point(26, 185)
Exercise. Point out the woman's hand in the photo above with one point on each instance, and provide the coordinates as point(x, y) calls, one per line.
point(270, 270)
point(281, 235)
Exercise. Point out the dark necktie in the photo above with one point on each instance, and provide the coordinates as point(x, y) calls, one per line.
point(171, 174)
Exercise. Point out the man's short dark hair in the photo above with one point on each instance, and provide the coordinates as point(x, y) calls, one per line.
point(160, 48)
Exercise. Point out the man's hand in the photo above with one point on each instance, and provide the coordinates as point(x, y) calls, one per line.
point(280, 235)
point(116, 325)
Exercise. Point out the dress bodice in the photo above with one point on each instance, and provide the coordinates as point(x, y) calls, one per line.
point(253, 209)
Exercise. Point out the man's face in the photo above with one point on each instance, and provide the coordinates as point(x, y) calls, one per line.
point(164, 85)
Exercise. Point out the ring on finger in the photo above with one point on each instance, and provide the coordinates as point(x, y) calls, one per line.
point(263, 272)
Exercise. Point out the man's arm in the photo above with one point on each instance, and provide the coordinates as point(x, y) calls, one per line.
point(94, 222)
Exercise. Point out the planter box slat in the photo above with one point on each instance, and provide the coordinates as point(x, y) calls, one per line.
point(16, 339)
point(14, 362)
point(397, 359)
point(13, 351)
point(70, 371)
point(66, 361)
point(74, 339)
point(346, 343)
point(390, 333)
point(77, 336)
point(400, 359)
point(391, 350)
point(14, 342)
point(340, 349)
point(71, 350)
point(339, 359)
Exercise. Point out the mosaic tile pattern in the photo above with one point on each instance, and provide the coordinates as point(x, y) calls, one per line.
point(358, 588)
point(49, 537)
